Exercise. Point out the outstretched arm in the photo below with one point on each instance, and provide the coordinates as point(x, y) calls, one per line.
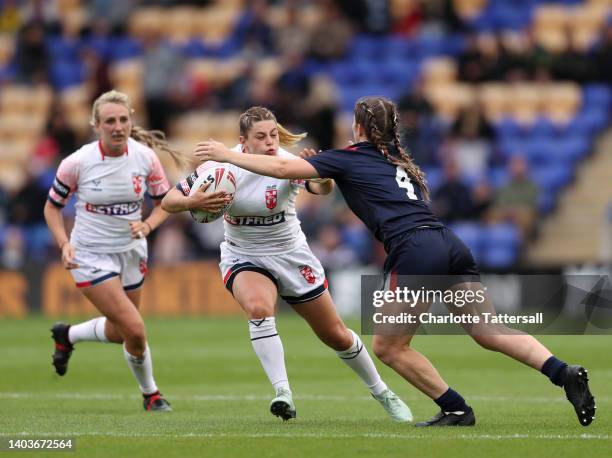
point(271, 166)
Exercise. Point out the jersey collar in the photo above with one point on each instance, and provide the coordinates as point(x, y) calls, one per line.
point(103, 153)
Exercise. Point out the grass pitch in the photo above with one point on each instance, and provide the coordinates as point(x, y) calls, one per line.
point(207, 369)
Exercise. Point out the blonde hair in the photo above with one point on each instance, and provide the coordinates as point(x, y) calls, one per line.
point(154, 139)
point(256, 114)
point(378, 116)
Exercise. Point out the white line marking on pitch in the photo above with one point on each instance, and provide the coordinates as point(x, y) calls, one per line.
point(324, 436)
point(232, 397)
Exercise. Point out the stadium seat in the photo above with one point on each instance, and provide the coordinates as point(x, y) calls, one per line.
point(499, 258)
point(552, 177)
point(125, 48)
point(472, 235)
point(498, 176)
point(597, 95)
point(501, 243)
point(61, 48)
point(65, 74)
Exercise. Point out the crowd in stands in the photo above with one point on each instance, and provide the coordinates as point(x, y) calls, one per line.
point(498, 103)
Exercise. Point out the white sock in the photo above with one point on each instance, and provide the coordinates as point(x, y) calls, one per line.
point(269, 349)
point(357, 358)
point(89, 331)
point(142, 368)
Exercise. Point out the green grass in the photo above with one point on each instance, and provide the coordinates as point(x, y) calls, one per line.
point(220, 396)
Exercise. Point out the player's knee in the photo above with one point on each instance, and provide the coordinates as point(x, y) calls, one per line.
point(337, 337)
point(385, 351)
point(258, 308)
point(488, 342)
point(135, 335)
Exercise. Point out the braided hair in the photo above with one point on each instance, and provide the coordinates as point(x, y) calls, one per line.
point(256, 114)
point(378, 116)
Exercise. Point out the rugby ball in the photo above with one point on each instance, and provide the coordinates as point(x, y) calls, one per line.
point(221, 178)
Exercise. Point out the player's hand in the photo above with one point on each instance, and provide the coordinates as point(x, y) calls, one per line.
point(211, 150)
point(213, 203)
point(68, 253)
point(139, 229)
point(307, 152)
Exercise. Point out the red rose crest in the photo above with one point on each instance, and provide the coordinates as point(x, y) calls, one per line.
point(137, 183)
point(271, 197)
point(308, 274)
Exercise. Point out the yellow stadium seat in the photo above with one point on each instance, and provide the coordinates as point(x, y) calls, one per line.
point(127, 71)
point(553, 40)
point(550, 16)
point(7, 48)
point(214, 24)
point(469, 8)
point(494, 99)
point(146, 21)
point(439, 70)
point(12, 173)
point(179, 23)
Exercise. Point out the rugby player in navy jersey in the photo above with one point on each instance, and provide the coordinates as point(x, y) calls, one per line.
point(388, 192)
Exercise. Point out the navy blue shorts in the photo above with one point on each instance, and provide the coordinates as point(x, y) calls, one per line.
point(431, 251)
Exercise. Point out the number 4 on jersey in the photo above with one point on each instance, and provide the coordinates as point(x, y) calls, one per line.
point(404, 182)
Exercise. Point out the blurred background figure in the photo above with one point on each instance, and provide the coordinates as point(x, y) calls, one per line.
point(517, 201)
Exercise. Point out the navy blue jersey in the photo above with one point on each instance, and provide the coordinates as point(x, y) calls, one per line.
point(378, 192)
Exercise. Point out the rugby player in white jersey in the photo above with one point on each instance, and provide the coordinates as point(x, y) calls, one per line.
point(265, 254)
point(107, 249)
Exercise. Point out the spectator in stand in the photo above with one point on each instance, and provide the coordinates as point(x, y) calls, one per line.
point(422, 131)
point(453, 199)
point(482, 199)
point(31, 56)
point(253, 32)
point(470, 141)
point(330, 250)
point(482, 60)
point(59, 139)
point(330, 43)
point(163, 80)
point(603, 56)
point(517, 201)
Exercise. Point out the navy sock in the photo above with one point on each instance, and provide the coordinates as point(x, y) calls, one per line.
point(451, 401)
point(553, 369)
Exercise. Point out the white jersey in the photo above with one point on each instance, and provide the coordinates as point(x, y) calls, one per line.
point(110, 192)
point(262, 219)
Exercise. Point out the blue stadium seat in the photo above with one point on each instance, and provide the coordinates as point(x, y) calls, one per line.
point(589, 121)
point(195, 48)
point(501, 244)
point(513, 146)
point(125, 48)
point(546, 202)
point(348, 73)
point(100, 45)
point(499, 258)
point(543, 127)
point(434, 177)
point(65, 74)
point(597, 95)
point(472, 235)
point(368, 47)
point(400, 74)
point(349, 95)
point(403, 48)
point(498, 176)
point(62, 49)
point(552, 177)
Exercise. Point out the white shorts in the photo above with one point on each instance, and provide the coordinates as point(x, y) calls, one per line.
point(298, 274)
point(94, 268)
